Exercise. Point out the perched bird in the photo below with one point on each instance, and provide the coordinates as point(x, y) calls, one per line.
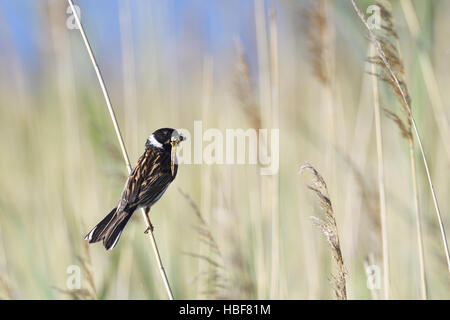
point(153, 173)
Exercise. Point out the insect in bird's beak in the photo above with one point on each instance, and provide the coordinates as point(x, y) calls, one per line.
point(174, 143)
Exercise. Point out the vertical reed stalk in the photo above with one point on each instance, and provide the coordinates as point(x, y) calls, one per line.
point(264, 104)
point(326, 38)
point(275, 90)
point(122, 145)
point(428, 74)
point(321, 46)
point(423, 283)
point(381, 188)
point(206, 187)
point(417, 212)
point(320, 41)
point(245, 92)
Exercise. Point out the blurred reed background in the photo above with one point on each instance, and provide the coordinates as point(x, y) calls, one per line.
point(223, 230)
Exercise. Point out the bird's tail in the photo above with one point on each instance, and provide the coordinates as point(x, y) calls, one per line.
point(109, 229)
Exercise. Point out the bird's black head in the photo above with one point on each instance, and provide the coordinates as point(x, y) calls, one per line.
point(164, 138)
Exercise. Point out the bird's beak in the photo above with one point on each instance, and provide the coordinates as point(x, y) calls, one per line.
point(172, 156)
point(173, 152)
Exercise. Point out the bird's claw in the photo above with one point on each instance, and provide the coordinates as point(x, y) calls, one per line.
point(149, 228)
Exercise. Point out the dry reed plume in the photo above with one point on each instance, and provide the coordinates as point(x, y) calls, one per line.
point(329, 228)
point(393, 72)
point(244, 88)
point(316, 27)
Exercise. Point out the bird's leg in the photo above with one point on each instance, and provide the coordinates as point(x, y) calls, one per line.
point(149, 223)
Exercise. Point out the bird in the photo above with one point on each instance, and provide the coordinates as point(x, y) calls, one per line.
point(155, 170)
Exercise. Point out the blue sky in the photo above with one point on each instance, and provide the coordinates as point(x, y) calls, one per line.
point(214, 23)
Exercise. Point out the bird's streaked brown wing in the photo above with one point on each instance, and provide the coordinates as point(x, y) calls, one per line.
point(148, 180)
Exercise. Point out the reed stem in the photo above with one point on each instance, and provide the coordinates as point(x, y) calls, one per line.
point(423, 283)
point(275, 210)
point(381, 186)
